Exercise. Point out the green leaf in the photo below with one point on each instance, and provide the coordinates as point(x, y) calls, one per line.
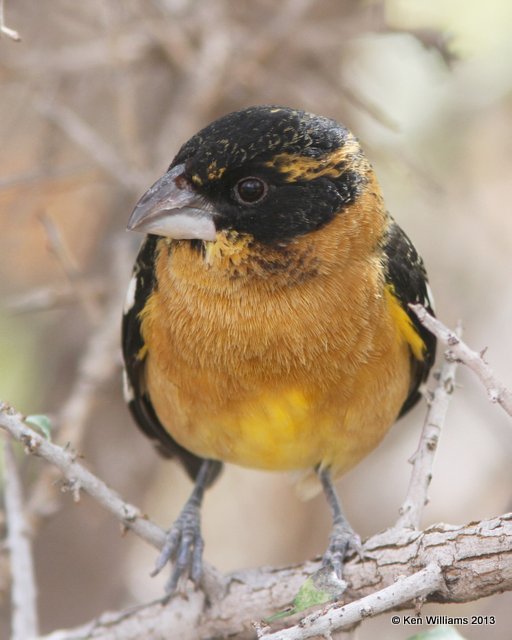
point(321, 587)
point(41, 422)
point(442, 632)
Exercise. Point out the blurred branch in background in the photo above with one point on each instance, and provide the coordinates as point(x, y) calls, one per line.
point(96, 100)
point(57, 246)
point(99, 360)
point(53, 296)
point(84, 136)
point(23, 588)
point(4, 29)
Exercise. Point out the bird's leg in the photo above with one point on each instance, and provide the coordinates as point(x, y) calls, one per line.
point(343, 538)
point(184, 542)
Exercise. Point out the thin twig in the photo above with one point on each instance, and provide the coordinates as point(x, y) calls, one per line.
point(476, 560)
point(260, 45)
point(96, 146)
point(205, 75)
point(40, 299)
point(44, 177)
point(58, 246)
point(459, 352)
point(79, 477)
point(79, 57)
point(423, 459)
point(97, 364)
point(440, 41)
point(67, 261)
point(53, 296)
point(23, 586)
point(364, 103)
point(284, 24)
point(404, 590)
point(10, 33)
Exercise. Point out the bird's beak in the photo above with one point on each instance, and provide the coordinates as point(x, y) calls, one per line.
point(173, 209)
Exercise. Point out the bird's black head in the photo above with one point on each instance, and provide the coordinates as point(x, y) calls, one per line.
point(271, 172)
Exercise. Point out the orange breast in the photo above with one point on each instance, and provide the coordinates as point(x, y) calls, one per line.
point(251, 364)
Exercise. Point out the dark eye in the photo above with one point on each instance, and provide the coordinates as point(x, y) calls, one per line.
point(250, 190)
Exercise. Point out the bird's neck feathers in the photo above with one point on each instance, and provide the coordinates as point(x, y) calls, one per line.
point(235, 261)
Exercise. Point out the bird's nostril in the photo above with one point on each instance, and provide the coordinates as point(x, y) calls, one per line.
point(181, 182)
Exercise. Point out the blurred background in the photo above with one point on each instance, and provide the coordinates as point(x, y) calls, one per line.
point(95, 101)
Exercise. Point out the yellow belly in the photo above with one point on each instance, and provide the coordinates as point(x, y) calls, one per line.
point(272, 430)
point(285, 429)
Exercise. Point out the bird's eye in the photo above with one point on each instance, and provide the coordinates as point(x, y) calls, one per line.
point(250, 190)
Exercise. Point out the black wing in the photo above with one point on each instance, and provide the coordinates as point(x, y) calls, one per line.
point(138, 400)
point(406, 274)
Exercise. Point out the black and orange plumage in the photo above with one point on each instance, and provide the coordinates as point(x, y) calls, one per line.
point(267, 323)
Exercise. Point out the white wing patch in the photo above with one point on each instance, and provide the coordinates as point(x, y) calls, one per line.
point(128, 392)
point(429, 298)
point(129, 301)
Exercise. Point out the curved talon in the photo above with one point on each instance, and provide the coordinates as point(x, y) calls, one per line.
point(196, 565)
point(342, 542)
point(184, 543)
point(167, 551)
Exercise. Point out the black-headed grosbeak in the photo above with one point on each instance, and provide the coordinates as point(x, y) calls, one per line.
point(267, 321)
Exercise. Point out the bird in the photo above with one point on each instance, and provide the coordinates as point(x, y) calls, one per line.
point(267, 321)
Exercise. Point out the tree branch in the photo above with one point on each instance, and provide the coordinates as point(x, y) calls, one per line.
point(78, 477)
point(475, 561)
point(4, 29)
point(23, 589)
point(97, 364)
point(64, 257)
point(418, 585)
point(459, 352)
point(93, 143)
point(52, 296)
point(423, 459)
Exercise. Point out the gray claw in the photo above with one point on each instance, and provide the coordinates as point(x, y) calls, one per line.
point(342, 542)
point(184, 545)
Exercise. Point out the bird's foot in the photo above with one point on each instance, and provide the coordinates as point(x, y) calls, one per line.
point(184, 547)
point(342, 542)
